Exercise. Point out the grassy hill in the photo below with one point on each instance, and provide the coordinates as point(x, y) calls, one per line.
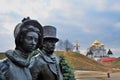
point(2, 55)
point(116, 63)
point(81, 62)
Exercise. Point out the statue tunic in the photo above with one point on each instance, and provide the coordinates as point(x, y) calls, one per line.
point(15, 67)
point(43, 67)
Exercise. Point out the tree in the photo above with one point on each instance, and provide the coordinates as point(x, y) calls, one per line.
point(65, 45)
point(68, 73)
point(109, 52)
point(60, 45)
point(68, 46)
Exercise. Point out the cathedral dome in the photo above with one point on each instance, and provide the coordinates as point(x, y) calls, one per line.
point(96, 42)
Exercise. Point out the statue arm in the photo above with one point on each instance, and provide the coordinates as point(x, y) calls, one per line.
point(2, 76)
point(3, 70)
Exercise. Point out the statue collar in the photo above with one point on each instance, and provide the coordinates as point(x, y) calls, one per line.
point(16, 58)
point(49, 58)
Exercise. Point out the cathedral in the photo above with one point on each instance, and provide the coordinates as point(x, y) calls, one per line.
point(96, 50)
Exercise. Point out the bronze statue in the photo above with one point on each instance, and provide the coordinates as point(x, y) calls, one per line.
point(28, 37)
point(45, 65)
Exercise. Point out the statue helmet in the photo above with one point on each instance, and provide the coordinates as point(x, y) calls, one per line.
point(49, 33)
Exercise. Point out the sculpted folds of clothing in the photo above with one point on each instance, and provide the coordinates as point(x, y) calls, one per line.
point(44, 68)
point(17, 67)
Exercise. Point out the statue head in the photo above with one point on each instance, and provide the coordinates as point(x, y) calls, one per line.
point(50, 38)
point(28, 35)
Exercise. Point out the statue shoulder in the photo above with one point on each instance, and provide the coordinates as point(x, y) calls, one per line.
point(34, 53)
point(9, 53)
point(36, 58)
point(4, 63)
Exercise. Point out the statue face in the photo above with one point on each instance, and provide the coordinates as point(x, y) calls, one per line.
point(49, 46)
point(30, 41)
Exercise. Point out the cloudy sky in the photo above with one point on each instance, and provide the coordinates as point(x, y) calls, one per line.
point(81, 20)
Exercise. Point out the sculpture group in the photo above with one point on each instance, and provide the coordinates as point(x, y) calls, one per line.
point(20, 64)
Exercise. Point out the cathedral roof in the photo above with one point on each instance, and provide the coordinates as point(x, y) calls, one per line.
point(97, 43)
point(93, 45)
point(101, 45)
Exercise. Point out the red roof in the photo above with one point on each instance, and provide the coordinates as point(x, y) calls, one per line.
point(107, 59)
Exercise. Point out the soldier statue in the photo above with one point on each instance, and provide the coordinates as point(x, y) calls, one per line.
point(46, 65)
point(28, 37)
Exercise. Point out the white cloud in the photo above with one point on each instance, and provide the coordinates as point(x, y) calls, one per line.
point(7, 42)
point(99, 5)
point(117, 25)
point(7, 24)
point(115, 6)
point(61, 13)
point(84, 52)
point(35, 9)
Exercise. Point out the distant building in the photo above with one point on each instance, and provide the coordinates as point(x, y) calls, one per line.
point(107, 59)
point(76, 47)
point(96, 50)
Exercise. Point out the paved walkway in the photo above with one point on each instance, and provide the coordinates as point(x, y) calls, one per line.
point(91, 75)
point(115, 76)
